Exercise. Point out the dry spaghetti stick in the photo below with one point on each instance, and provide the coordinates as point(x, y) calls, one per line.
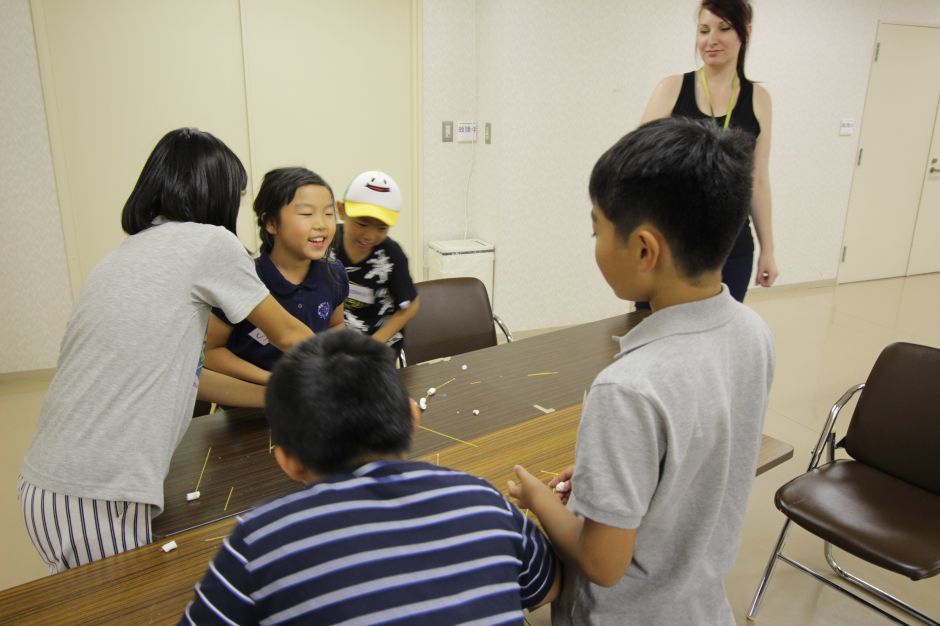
point(204, 463)
point(476, 382)
point(270, 445)
point(448, 436)
point(549, 473)
point(543, 374)
point(228, 498)
point(447, 383)
point(215, 538)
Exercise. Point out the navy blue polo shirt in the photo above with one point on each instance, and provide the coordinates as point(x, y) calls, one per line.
point(312, 302)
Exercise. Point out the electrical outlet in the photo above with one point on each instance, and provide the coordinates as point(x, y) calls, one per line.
point(487, 133)
point(447, 131)
point(466, 132)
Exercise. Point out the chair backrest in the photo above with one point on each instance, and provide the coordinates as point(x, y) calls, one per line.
point(896, 424)
point(455, 317)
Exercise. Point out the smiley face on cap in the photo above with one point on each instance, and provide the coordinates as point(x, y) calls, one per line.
point(379, 184)
point(373, 194)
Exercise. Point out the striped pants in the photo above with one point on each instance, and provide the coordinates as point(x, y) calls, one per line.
point(69, 531)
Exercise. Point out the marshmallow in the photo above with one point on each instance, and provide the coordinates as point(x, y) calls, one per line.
point(423, 403)
point(563, 487)
point(192, 495)
point(432, 391)
point(169, 547)
point(476, 411)
point(463, 367)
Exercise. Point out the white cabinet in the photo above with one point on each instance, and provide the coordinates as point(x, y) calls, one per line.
point(462, 257)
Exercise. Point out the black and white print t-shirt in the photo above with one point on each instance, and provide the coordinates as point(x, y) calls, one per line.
point(378, 286)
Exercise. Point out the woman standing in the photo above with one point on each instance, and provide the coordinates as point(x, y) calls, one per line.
point(719, 90)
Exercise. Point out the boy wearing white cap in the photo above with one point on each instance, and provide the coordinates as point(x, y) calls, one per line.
point(382, 296)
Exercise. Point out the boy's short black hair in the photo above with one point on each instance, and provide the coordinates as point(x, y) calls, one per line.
point(336, 398)
point(277, 190)
point(191, 176)
point(688, 178)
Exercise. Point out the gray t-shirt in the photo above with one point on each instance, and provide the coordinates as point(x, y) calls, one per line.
point(130, 361)
point(668, 444)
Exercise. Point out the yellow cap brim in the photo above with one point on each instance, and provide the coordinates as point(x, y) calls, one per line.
point(362, 209)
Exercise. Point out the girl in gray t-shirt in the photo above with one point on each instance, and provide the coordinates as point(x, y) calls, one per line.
point(131, 358)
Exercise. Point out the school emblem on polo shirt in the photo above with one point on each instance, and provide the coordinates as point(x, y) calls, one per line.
point(323, 310)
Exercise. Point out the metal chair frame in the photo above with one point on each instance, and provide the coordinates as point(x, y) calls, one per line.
point(503, 328)
point(827, 443)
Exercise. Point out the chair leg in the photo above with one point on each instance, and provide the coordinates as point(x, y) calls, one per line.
point(844, 591)
point(768, 571)
point(875, 591)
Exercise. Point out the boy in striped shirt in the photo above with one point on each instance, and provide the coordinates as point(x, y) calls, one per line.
point(371, 538)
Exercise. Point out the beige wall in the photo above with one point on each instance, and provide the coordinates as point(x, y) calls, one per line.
point(36, 299)
point(562, 81)
point(338, 105)
point(112, 92)
point(282, 83)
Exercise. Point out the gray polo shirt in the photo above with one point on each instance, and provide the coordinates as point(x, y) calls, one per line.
point(668, 444)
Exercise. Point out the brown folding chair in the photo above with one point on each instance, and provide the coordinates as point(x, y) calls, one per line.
point(882, 504)
point(455, 317)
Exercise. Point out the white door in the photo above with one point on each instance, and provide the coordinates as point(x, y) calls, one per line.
point(328, 85)
point(116, 76)
point(925, 249)
point(900, 109)
point(331, 87)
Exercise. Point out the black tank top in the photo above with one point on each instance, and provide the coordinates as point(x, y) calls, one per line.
point(742, 118)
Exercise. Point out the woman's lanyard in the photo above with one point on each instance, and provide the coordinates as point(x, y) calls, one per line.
point(708, 96)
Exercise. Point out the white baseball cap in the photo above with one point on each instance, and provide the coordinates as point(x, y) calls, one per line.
point(373, 194)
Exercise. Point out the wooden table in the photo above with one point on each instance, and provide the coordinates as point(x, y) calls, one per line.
point(149, 586)
point(504, 383)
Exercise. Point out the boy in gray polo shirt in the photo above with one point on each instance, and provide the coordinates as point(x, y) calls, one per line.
point(671, 430)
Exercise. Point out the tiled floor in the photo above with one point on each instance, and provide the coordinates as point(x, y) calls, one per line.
point(827, 339)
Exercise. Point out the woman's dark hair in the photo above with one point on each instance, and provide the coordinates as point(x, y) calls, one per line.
point(191, 176)
point(277, 190)
point(739, 14)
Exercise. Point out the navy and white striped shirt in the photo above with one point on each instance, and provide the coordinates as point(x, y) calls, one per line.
point(395, 542)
